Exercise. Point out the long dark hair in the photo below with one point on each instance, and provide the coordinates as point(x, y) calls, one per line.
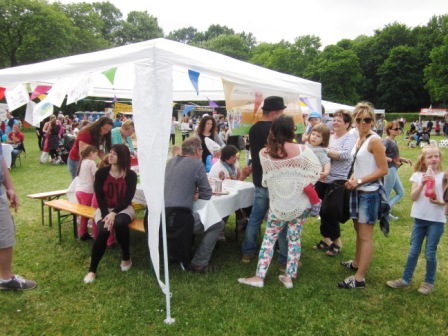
point(202, 123)
point(282, 130)
point(123, 157)
point(95, 130)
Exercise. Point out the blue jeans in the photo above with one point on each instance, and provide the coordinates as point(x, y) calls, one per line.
point(259, 210)
point(72, 167)
point(433, 231)
point(392, 182)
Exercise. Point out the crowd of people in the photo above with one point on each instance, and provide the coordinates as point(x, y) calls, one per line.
point(291, 178)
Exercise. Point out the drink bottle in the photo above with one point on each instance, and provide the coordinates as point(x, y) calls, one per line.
point(430, 190)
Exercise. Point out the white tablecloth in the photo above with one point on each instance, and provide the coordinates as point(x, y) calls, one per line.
point(241, 195)
point(7, 150)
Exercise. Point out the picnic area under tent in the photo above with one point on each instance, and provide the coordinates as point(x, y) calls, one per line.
point(154, 73)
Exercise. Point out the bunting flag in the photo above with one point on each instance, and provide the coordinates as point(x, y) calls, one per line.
point(42, 97)
point(115, 99)
point(40, 90)
point(187, 109)
point(79, 89)
point(110, 74)
point(211, 103)
point(2, 92)
point(17, 97)
point(307, 103)
point(194, 78)
point(58, 92)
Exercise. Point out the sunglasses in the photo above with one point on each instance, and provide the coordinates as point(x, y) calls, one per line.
point(395, 129)
point(366, 120)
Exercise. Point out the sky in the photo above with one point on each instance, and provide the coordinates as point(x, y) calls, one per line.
point(331, 20)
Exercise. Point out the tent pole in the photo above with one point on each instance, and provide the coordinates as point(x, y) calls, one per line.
point(169, 319)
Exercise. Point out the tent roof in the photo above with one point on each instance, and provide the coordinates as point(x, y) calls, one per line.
point(211, 66)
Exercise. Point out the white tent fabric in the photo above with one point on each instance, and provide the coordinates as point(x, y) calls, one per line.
point(154, 74)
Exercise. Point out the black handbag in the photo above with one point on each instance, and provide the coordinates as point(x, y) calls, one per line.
point(336, 201)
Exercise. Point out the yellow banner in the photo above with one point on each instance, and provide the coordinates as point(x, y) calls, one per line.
point(122, 108)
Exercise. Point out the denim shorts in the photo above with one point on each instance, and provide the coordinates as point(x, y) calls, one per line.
point(368, 207)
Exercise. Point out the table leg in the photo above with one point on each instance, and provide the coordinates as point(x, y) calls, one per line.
point(42, 204)
point(59, 226)
point(75, 226)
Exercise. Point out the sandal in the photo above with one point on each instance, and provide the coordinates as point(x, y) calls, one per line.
point(321, 246)
point(204, 269)
point(333, 250)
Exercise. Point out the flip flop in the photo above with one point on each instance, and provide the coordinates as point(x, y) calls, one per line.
point(321, 246)
point(333, 250)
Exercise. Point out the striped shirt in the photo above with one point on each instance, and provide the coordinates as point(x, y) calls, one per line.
point(344, 145)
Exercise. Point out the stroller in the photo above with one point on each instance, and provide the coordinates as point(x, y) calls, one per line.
point(65, 145)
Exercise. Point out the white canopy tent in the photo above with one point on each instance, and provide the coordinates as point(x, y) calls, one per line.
point(154, 74)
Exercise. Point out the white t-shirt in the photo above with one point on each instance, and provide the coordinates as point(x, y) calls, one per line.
point(86, 176)
point(422, 208)
point(219, 167)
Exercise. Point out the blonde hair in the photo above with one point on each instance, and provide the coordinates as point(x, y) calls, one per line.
point(421, 166)
point(364, 108)
point(128, 124)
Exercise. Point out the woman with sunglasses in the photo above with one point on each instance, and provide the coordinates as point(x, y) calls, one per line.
point(339, 151)
point(394, 161)
point(369, 167)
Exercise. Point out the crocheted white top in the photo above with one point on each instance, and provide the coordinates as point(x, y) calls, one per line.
point(286, 179)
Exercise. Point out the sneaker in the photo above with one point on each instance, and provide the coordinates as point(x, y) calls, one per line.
point(349, 265)
point(246, 259)
point(392, 217)
point(315, 208)
point(210, 268)
point(352, 283)
point(86, 236)
point(18, 283)
point(425, 288)
point(400, 283)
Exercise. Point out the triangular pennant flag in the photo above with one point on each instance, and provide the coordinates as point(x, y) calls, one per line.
point(110, 74)
point(187, 109)
point(17, 97)
point(2, 92)
point(42, 96)
point(194, 78)
point(307, 103)
point(211, 103)
point(115, 99)
point(39, 90)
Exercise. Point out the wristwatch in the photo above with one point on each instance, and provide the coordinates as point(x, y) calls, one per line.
point(359, 181)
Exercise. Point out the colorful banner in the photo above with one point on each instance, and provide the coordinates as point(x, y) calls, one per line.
point(40, 90)
point(243, 104)
point(17, 97)
point(41, 111)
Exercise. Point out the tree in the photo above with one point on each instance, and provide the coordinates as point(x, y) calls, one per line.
point(138, 27)
point(339, 72)
point(32, 31)
point(112, 20)
point(400, 81)
point(186, 35)
point(304, 52)
point(216, 30)
point(230, 45)
point(87, 27)
point(436, 73)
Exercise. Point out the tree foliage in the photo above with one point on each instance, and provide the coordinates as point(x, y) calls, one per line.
point(436, 73)
point(138, 27)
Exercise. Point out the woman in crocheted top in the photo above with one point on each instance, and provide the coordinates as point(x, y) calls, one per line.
point(287, 169)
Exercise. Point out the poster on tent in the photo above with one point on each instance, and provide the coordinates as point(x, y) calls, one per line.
point(244, 102)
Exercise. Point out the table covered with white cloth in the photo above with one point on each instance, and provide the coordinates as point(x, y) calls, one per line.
point(236, 195)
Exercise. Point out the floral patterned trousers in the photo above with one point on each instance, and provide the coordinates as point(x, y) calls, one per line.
point(273, 227)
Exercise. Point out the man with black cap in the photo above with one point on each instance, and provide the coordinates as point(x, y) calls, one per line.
point(272, 107)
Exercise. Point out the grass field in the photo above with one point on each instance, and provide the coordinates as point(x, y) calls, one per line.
point(214, 304)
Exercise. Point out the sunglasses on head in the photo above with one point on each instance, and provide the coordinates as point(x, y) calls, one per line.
point(366, 120)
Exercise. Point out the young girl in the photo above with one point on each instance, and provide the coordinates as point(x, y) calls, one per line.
point(84, 189)
point(318, 142)
point(429, 220)
point(314, 119)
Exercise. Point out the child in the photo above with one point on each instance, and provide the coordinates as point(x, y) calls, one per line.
point(429, 219)
point(318, 142)
point(84, 189)
point(314, 119)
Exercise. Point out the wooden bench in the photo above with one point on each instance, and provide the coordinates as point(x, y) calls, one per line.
point(75, 209)
point(47, 196)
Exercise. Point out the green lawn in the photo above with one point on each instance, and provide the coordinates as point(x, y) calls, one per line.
point(214, 304)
